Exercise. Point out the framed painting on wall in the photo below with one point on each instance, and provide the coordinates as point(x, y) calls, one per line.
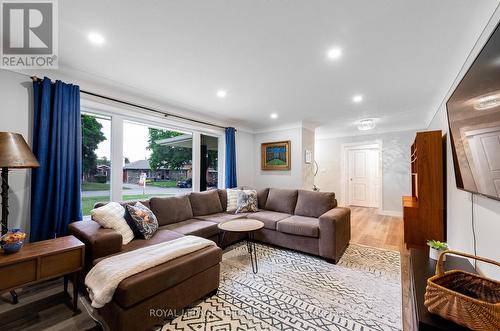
point(275, 156)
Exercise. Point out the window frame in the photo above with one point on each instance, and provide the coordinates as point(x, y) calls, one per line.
point(121, 113)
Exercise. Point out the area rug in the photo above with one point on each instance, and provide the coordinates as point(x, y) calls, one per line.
point(295, 291)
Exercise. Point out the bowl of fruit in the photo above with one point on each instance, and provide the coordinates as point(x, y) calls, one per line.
point(12, 241)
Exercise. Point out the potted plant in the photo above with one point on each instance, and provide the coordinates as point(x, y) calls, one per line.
point(436, 247)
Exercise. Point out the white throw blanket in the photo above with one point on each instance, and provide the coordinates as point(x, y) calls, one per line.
point(103, 279)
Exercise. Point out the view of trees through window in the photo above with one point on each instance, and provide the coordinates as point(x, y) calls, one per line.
point(96, 165)
point(158, 162)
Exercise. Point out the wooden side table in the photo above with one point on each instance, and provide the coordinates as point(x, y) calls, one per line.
point(248, 226)
point(40, 261)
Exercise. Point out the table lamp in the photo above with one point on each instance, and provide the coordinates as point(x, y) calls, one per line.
point(14, 154)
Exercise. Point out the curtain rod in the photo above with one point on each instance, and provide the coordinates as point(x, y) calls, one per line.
point(163, 113)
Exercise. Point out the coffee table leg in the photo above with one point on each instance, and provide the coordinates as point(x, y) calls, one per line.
point(220, 238)
point(249, 247)
point(15, 300)
point(253, 252)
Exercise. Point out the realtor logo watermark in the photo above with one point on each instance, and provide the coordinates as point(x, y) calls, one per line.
point(29, 34)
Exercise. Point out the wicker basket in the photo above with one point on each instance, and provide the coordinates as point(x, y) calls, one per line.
point(464, 298)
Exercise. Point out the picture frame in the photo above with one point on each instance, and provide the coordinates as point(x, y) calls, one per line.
point(276, 155)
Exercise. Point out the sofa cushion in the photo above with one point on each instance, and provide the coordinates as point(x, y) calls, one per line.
point(222, 198)
point(246, 201)
point(221, 217)
point(170, 210)
point(205, 203)
point(281, 200)
point(112, 216)
point(148, 283)
point(232, 199)
point(262, 197)
point(194, 227)
point(314, 204)
point(141, 220)
point(269, 218)
point(300, 226)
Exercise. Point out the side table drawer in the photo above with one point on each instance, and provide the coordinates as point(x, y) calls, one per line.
point(61, 263)
point(17, 274)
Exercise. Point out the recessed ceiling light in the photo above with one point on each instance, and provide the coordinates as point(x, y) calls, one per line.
point(366, 124)
point(274, 116)
point(222, 93)
point(96, 38)
point(357, 98)
point(334, 53)
point(487, 102)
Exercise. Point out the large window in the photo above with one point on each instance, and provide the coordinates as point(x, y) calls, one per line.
point(96, 164)
point(157, 161)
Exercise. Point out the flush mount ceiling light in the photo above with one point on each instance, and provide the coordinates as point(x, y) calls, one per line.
point(222, 93)
point(487, 102)
point(357, 98)
point(334, 53)
point(274, 116)
point(366, 124)
point(96, 38)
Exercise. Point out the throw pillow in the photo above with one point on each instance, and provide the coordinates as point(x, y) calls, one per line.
point(246, 201)
point(141, 220)
point(232, 200)
point(111, 216)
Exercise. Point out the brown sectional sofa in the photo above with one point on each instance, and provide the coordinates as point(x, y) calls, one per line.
point(301, 220)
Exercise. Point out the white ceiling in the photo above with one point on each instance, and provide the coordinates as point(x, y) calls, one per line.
point(271, 56)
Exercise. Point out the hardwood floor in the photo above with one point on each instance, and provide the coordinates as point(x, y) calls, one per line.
point(370, 229)
point(41, 307)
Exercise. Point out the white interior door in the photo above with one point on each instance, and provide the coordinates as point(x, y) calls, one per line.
point(363, 177)
point(484, 145)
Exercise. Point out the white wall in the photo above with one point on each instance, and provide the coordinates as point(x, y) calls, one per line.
point(281, 179)
point(395, 165)
point(16, 111)
point(459, 204)
point(308, 142)
point(245, 158)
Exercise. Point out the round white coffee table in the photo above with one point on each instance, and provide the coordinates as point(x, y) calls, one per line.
point(243, 225)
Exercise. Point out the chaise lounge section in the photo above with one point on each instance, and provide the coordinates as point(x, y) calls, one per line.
point(301, 220)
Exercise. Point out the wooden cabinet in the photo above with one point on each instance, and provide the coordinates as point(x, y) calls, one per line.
point(424, 210)
point(40, 261)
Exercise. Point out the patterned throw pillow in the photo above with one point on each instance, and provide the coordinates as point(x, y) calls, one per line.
point(142, 220)
point(111, 216)
point(246, 201)
point(232, 200)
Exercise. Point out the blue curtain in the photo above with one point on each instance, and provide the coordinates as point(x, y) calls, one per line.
point(57, 143)
point(230, 158)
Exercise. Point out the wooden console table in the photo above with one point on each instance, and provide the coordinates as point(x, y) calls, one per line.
point(40, 261)
point(421, 268)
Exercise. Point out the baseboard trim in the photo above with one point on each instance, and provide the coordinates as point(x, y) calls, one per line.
point(392, 213)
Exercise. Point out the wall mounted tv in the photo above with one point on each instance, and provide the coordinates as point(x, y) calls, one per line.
point(474, 121)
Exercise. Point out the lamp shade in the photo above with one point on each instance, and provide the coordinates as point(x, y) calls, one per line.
point(15, 152)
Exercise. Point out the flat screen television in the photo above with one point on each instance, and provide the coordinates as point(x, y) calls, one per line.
point(474, 121)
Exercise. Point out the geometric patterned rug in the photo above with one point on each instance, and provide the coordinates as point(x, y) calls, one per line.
point(295, 291)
